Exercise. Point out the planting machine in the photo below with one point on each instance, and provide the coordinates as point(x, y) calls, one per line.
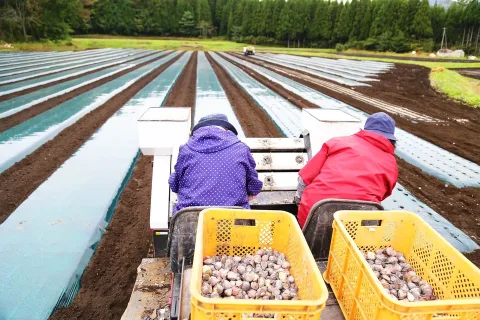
point(249, 51)
point(161, 131)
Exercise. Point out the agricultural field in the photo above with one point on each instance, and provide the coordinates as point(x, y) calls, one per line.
point(75, 190)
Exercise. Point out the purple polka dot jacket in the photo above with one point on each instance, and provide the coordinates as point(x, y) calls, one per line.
point(214, 168)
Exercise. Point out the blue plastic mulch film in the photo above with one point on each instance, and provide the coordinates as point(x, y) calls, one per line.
point(33, 62)
point(42, 65)
point(22, 102)
point(61, 67)
point(49, 239)
point(42, 80)
point(21, 140)
point(210, 96)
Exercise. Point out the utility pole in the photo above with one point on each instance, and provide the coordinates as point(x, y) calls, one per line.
point(444, 38)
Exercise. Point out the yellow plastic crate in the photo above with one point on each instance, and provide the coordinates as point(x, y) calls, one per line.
point(218, 234)
point(455, 280)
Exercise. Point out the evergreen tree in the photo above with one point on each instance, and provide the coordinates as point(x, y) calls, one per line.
point(230, 25)
point(360, 12)
point(225, 15)
point(341, 30)
point(412, 9)
point(55, 14)
point(219, 5)
point(247, 18)
point(404, 20)
point(422, 25)
point(273, 18)
point(203, 12)
point(285, 28)
point(321, 26)
point(187, 24)
point(438, 22)
point(238, 14)
point(181, 8)
point(455, 28)
point(259, 24)
point(367, 22)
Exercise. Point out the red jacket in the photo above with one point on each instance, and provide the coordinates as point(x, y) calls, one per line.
point(357, 167)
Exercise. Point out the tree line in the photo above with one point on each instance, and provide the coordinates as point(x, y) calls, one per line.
point(396, 25)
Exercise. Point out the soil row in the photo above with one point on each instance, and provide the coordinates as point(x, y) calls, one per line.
point(254, 120)
point(30, 90)
point(409, 86)
point(21, 179)
point(405, 58)
point(471, 73)
point(109, 278)
point(19, 117)
point(460, 206)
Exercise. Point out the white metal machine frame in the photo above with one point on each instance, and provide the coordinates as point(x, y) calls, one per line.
point(161, 131)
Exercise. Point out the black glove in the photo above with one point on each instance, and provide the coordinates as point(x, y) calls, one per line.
point(296, 200)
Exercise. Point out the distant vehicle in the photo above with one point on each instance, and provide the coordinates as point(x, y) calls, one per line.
point(250, 50)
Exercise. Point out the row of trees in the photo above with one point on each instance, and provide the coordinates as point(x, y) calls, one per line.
point(39, 19)
point(369, 24)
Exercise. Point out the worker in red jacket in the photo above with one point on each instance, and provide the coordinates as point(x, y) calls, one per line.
point(357, 167)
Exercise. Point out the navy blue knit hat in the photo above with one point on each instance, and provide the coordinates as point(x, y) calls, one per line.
point(216, 119)
point(381, 123)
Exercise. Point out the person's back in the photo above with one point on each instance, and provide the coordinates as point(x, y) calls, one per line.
point(357, 167)
point(214, 169)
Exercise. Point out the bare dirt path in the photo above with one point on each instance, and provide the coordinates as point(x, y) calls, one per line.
point(109, 277)
point(184, 91)
point(122, 248)
point(472, 73)
point(19, 117)
point(21, 179)
point(409, 86)
point(254, 121)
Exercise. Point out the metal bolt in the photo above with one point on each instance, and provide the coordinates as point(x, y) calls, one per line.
point(299, 159)
point(267, 160)
point(269, 180)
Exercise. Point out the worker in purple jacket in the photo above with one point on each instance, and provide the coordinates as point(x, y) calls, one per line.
point(214, 168)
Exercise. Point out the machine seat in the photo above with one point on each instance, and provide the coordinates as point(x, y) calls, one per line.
point(318, 227)
point(182, 234)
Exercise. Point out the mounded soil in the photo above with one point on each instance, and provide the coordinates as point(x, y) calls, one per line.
point(21, 179)
point(254, 121)
point(110, 276)
point(19, 117)
point(184, 91)
point(404, 58)
point(108, 280)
